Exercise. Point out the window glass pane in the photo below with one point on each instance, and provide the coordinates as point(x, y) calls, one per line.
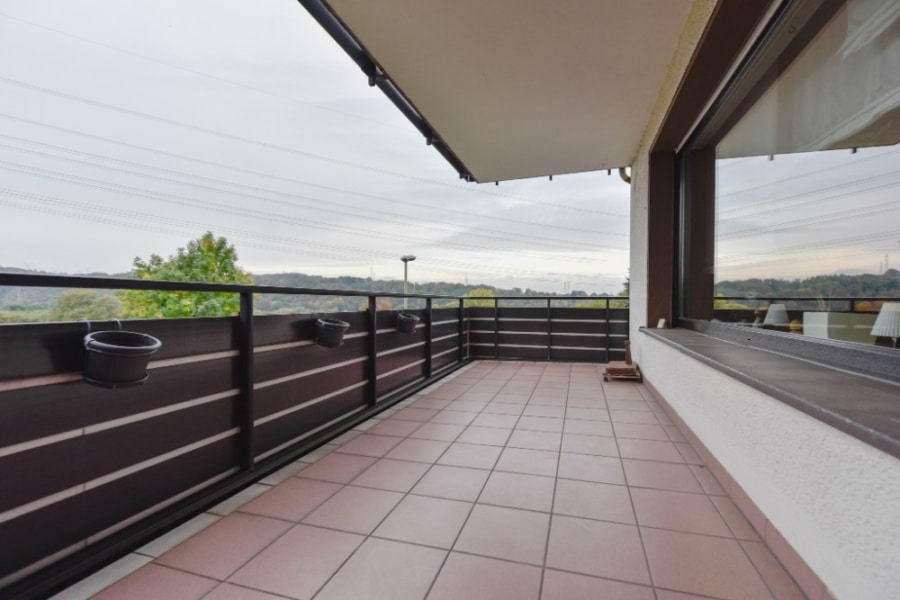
point(808, 187)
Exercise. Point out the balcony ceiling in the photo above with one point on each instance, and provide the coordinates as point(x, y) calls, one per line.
point(524, 88)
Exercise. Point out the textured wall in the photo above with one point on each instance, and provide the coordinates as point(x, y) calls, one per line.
point(835, 499)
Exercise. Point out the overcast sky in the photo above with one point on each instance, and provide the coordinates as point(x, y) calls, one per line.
point(128, 128)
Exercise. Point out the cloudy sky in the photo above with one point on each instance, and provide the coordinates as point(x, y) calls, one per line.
point(128, 128)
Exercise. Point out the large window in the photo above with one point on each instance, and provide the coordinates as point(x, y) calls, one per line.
point(806, 168)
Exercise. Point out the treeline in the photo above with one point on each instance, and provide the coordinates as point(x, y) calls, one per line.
point(886, 285)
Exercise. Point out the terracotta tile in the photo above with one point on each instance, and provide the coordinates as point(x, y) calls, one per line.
point(587, 467)
point(223, 547)
point(776, 578)
point(597, 548)
point(701, 564)
point(455, 483)
point(589, 444)
point(454, 417)
point(495, 420)
point(593, 500)
point(513, 397)
point(691, 513)
point(660, 475)
point(227, 591)
point(337, 468)
point(183, 532)
point(416, 414)
point(537, 410)
point(534, 440)
point(633, 416)
point(426, 451)
point(424, 520)
point(808, 581)
point(519, 490)
point(385, 569)
point(533, 462)
point(748, 508)
point(629, 404)
point(584, 427)
point(491, 436)
point(549, 424)
point(444, 432)
point(470, 455)
point(284, 473)
point(293, 499)
point(354, 509)
point(475, 406)
point(674, 433)
point(707, 480)
point(641, 431)
point(152, 582)
point(687, 452)
point(395, 427)
point(434, 403)
point(588, 414)
point(395, 475)
point(506, 533)
point(229, 505)
point(504, 408)
point(368, 444)
point(739, 525)
point(670, 595)
point(586, 402)
point(548, 399)
point(569, 586)
point(299, 562)
point(664, 419)
point(319, 453)
point(478, 577)
point(649, 450)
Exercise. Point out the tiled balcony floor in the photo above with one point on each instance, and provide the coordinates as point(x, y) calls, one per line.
point(508, 480)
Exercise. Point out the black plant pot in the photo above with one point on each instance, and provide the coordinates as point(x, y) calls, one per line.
point(118, 358)
point(406, 323)
point(330, 332)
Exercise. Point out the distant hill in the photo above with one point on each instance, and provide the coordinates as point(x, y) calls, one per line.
point(866, 285)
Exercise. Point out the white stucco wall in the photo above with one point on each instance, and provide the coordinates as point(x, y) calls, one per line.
point(835, 499)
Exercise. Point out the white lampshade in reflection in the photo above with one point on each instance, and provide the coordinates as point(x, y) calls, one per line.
point(888, 322)
point(776, 315)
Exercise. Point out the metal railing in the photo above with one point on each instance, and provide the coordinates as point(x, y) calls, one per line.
point(90, 473)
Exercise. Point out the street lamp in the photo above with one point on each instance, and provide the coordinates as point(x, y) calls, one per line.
point(406, 259)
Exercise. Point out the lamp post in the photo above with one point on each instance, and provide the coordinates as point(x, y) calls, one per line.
point(406, 259)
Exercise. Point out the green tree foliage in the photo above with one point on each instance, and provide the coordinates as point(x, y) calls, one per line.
point(85, 304)
point(484, 296)
point(207, 259)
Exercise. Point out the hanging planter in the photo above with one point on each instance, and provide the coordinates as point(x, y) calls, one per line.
point(330, 332)
point(406, 322)
point(118, 358)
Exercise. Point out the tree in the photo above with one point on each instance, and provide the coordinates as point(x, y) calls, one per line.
point(207, 259)
point(85, 304)
point(485, 296)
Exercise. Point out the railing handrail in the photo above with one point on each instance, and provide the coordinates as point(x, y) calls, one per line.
point(123, 283)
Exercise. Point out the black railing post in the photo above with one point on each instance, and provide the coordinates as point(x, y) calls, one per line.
point(549, 331)
point(607, 327)
point(496, 328)
point(372, 347)
point(245, 380)
point(428, 360)
point(462, 330)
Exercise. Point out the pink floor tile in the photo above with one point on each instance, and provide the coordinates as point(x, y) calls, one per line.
point(505, 533)
point(533, 462)
point(394, 475)
point(504, 408)
point(481, 578)
point(588, 414)
point(292, 499)
point(337, 467)
point(426, 451)
point(589, 444)
point(368, 444)
point(424, 520)
point(395, 427)
point(570, 586)
point(549, 424)
point(593, 500)
point(495, 420)
point(299, 563)
point(588, 467)
point(519, 490)
point(444, 432)
point(537, 410)
point(641, 431)
point(490, 436)
point(354, 509)
point(692, 513)
point(739, 526)
point(586, 427)
point(534, 440)
point(454, 417)
point(224, 546)
point(661, 475)
point(152, 582)
point(455, 483)
point(228, 591)
point(470, 455)
point(384, 569)
point(415, 414)
point(649, 450)
point(776, 577)
point(703, 565)
point(598, 548)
